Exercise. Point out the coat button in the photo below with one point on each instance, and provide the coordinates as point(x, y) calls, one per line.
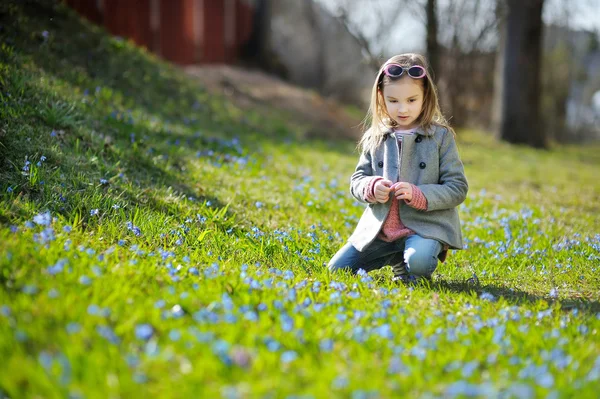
point(380, 164)
point(422, 165)
point(418, 139)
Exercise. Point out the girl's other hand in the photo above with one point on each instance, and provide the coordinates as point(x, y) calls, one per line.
point(382, 190)
point(403, 191)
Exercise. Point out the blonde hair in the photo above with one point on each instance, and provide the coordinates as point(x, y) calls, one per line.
point(378, 121)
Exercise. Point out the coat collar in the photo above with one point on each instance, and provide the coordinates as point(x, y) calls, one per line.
point(420, 131)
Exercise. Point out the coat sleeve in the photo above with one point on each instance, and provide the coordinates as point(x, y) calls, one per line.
point(452, 188)
point(361, 177)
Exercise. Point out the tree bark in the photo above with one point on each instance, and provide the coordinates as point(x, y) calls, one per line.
point(497, 110)
point(521, 122)
point(433, 52)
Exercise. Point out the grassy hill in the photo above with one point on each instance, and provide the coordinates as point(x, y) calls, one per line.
point(156, 240)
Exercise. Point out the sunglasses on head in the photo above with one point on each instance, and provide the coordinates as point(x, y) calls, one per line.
point(396, 70)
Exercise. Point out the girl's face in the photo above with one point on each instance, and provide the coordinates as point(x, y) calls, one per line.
point(404, 101)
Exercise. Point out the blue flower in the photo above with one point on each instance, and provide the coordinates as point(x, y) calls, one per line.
point(340, 382)
point(287, 323)
point(251, 316)
point(271, 344)
point(177, 311)
point(4, 310)
point(94, 212)
point(174, 335)
point(144, 331)
point(43, 218)
point(85, 280)
point(326, 345)
point(58, 267)
point(9, 189)
point(469, 368)
point(45, 360)
point(107, 333)
point(73, 328)
point(29, 289)
point(486, 296)
point(288, 356)
point(288, 275)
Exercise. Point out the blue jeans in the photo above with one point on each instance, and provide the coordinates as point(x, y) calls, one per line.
point(420, 255)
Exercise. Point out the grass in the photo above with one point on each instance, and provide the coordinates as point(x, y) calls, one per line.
point(157, 241)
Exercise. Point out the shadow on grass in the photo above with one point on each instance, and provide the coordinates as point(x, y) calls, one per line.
point(515, 296)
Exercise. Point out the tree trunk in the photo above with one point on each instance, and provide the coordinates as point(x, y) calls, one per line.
point(257, 48)
point(433, 53)
point(496, 122)
point(521, 122)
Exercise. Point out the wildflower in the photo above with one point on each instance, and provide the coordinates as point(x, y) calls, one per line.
point(486, 296)
point(251, 316)
point(174, 335)
point(73, 328)
point(107, 333)
point(144, 331)
point(9, 189)
point(57, 267)
point(43, 218)
point(94, 212)
point(103, 182)
point(287, 323)
point(241, 357)
point(271, 344)
point(85, 280)
point(326, 345)
point(177, 311)
point(288, 356)
point(45, 360)
point(29, 289)
point(4, 310)
point(340, 382)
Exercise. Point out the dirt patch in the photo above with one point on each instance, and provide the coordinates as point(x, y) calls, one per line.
point(248, 89)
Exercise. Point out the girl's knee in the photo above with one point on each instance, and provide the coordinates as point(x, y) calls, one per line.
point(421, 264)
point(334, 267)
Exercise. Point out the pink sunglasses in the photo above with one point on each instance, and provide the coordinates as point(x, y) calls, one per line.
point(396, 70)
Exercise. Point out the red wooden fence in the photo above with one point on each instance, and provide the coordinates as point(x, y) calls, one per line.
point(181, 31)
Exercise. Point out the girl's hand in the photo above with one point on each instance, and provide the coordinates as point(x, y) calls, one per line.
point(382, 190)
point(403, 191)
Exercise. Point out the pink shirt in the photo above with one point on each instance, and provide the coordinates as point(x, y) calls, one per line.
point(393, 228)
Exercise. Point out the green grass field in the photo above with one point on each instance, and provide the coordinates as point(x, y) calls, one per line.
point(155, 241)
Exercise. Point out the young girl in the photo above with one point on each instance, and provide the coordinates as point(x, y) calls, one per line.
point(410, 175)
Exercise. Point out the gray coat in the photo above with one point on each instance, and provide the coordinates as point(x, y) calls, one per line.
point(429, 160)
